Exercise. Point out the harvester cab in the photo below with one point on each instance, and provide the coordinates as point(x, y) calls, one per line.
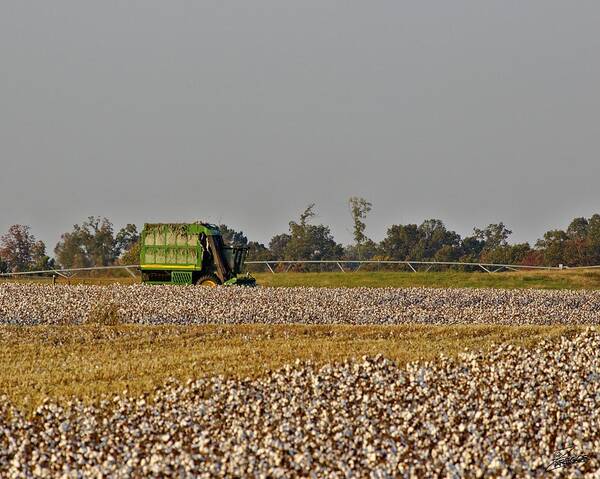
point(190, 253)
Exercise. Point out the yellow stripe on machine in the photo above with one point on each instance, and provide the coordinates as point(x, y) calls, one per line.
point(167, 266)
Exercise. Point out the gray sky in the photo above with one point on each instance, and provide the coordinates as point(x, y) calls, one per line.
point(244, 112)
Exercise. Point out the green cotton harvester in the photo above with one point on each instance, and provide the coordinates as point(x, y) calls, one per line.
point(190, 253)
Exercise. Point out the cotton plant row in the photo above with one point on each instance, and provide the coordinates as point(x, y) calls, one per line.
point(142, 304)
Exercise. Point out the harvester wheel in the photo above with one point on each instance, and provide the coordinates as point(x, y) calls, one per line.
point(209, 280)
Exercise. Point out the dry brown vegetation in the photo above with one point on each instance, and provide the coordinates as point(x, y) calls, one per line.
point(88, 361)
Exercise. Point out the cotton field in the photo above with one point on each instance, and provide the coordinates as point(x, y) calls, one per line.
point(47, 304)
point(505, 414)
point(509, 412)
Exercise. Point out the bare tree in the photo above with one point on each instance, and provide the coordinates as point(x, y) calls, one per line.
point(359, 208)
point(307, 214)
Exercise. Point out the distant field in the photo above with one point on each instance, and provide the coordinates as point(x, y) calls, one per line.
point(575, 279)
point(58, 362)
point(579, 279)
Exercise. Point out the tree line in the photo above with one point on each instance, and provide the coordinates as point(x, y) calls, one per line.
point(95, 242)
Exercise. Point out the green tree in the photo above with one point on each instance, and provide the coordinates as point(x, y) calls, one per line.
point(99, 237)
point(131, 255)
point(431, 240)
point(359, 208)
point(368, 250)
point(470, 249)
point(593, 239)
point(579, 245)
point(578, 228)
point(311, 242)
point(507, 254)
point(278, 244)
point(553, 245)
point(126, 238)
point(493, 235)
point(400, 242)
point(447, 253)
point(233, 237)
point(91, 244)
point(433, 236)
point(306, 215)
point(70, 251)
point(258, 252)
point(40, 261)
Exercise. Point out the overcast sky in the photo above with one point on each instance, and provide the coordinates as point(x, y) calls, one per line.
point(245, 112)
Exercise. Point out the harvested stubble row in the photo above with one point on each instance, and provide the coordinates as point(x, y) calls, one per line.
point(498, 415)
point(44, 304)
